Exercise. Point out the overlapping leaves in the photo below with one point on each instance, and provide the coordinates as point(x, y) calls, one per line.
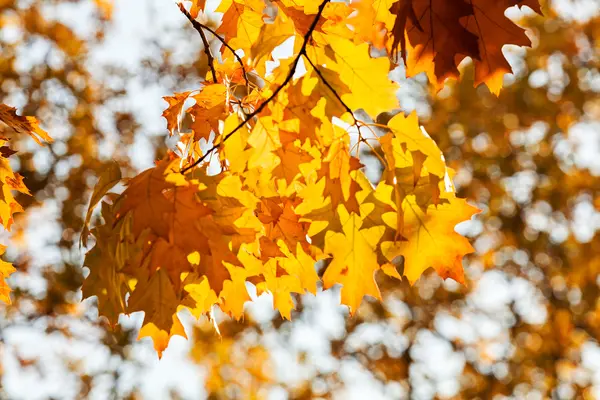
point(287, 187)
point(435, 36)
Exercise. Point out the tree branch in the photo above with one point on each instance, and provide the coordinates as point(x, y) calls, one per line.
point(259, 109)
point(200, 26)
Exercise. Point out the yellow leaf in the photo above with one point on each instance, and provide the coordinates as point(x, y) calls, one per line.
point(407, 131)
point(234, 294)
point(271, 35)
point(366, 77)
point(208, 111)
point(203, 296)
point(161, 337)
point(242, 22)
point(264, 140)
point(431, 239)
point(6, 269)
point(354, 259)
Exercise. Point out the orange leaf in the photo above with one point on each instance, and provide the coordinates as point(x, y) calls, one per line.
point(173, 112)
point(23, 125)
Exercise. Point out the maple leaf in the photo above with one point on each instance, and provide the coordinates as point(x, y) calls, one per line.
point(209, 109)
point(106, 181)
point(282, 223)
point(11, 181)
point(264, 140)
point(354, 259)
point(289, 192)
point(365, 77)
point(154, 294)
point(197, 7)
point(291, 157)
point(161, 337)
point(23, 125)
point(173, 112)
point(494, 30)
point(242, 22)
point(436, 36)
point(105, 281)
point(271, 36)
point(431, 238)
point(301, 20)
point(442, 33)
point(201, 297)
point(368, 27)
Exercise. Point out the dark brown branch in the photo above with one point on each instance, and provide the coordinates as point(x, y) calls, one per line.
point(262, 106)
point(200, 26)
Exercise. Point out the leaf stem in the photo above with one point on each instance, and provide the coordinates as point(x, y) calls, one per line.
point(262, 106)
point(337, 96)
point(200, 27)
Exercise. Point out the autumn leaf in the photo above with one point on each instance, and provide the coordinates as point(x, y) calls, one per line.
point(289, 187)
point(242, 22)
point(271, 35)
point(154, 294)
point(494, 30)
point(435, 36)
point(431, 239)
point(365, 77)
point(161, 337)
point(354, 259)
point(107, 180)
point(209, 109)
point(11, 181)
point(197, 7)
point(23, 125)
point(6, 269)
point(173, 113)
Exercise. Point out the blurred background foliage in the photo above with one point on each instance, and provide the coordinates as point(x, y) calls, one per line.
point(526, 324)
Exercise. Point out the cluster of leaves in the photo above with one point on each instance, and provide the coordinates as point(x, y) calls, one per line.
point(547, 329)
point(436, 36)
point(11, 181)
point(285, 190)
point(488, 140)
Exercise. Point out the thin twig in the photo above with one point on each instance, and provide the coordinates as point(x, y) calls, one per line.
point(259, 109)
point(337, 96)
point(200, 26)
point(356, 122)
